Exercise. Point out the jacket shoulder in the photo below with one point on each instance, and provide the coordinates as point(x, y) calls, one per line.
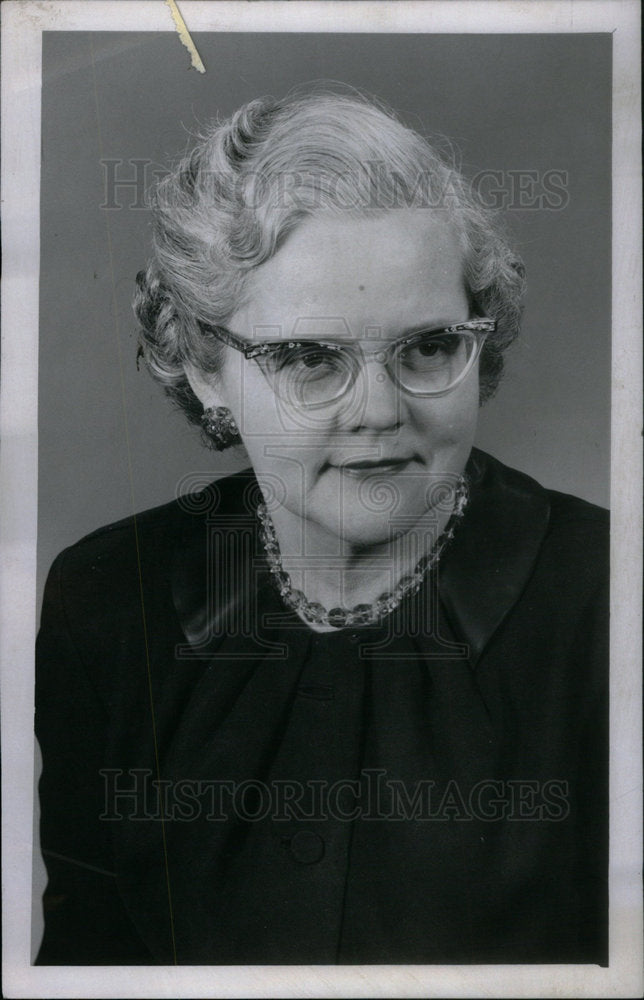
point(515, 532)
point(571, 536)
point(144, 543)
point(216, 498)
point(564, 507)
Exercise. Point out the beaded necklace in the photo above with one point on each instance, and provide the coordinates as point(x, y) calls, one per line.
point(360, 614)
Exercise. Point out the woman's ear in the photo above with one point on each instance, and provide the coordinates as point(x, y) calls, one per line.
point(204, 387)
point(217, 422)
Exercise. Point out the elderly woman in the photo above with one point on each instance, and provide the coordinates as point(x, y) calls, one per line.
point(349, 705)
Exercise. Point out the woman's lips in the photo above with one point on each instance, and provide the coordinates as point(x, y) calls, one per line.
point(369, 466)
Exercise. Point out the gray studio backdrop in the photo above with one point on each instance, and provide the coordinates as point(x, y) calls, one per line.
point(530, 117)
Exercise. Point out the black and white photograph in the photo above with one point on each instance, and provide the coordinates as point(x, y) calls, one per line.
point(321, 419)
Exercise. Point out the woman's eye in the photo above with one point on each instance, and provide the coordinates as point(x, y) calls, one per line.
point(305, 358)
point(430, 349)
point(316, 359)
point(439, 345)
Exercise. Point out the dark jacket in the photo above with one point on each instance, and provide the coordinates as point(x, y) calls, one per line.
point(187, 724)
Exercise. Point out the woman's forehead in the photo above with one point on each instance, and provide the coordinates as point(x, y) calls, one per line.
point(400, 268)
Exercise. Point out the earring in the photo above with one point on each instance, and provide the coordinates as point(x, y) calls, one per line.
point(219, 428)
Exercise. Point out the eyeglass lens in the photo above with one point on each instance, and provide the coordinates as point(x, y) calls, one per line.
point(314, 374)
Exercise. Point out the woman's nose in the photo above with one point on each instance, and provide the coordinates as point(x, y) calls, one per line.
point(377, 397)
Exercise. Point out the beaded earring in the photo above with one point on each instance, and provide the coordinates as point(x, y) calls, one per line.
point(219, 428)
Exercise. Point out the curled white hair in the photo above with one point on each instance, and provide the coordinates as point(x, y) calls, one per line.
point(229, 205)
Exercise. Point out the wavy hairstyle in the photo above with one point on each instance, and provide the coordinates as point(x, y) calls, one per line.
point(229, 205)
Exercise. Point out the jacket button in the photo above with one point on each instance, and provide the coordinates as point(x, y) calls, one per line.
point(307, 847)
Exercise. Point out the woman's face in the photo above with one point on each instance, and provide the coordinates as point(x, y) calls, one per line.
point(372, 280)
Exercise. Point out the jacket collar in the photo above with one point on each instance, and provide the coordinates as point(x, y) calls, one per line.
point(219, 574)
point(494, 550)
point(218, 564)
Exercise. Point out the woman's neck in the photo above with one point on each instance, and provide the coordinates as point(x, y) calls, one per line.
point(334, 573)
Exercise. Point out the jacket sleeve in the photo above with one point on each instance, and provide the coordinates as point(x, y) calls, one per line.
point(85, 920)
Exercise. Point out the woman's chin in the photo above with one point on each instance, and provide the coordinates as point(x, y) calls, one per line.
point(359, 531)
point(373, 511)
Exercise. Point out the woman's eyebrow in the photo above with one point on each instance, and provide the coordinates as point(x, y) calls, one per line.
point(372, 334)
point(430, 327)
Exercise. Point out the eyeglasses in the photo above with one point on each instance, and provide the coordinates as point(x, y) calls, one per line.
point(310, 374)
